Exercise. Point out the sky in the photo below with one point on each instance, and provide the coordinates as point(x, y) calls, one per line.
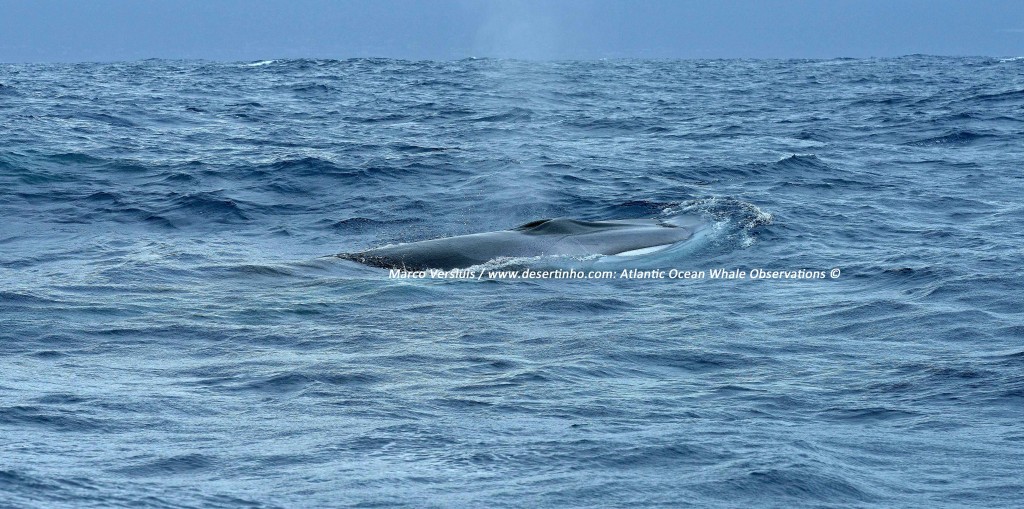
point(245, 30)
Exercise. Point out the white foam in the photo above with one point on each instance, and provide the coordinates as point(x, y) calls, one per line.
point(643, 250)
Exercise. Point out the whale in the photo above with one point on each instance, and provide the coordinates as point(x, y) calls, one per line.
point(544, 237)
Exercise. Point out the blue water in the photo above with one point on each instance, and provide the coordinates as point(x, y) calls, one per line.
point(176, 332)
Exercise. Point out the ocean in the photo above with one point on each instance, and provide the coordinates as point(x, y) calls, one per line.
point(176, 329)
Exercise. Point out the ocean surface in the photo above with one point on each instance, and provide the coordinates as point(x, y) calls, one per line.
point(176, 330)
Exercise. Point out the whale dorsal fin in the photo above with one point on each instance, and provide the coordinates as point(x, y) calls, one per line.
point(531, 224)
point(563, 226)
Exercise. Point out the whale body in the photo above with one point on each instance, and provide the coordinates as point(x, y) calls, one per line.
point(546, 237)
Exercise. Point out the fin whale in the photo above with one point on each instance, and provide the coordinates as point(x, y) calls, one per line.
point(546, 237)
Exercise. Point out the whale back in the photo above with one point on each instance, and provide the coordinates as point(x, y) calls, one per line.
point(537, 238)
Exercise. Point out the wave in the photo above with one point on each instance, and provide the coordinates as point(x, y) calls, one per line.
point(106, 118)
point(354, 224)
point(313, 90)
point(1011, 95)
point(418, 149)
point(313, 167)
point(77, 158)
point(793, 482)
point(513, 115)
point(960, 137)
point(49, 418)
point(169, 465)
point(205, 206)
point(801, 161)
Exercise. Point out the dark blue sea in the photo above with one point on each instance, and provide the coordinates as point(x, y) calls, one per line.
point(176, 330)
